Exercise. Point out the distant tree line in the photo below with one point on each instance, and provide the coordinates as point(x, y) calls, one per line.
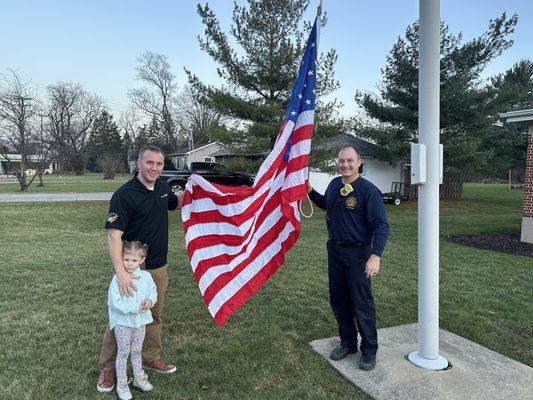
point(75, 129)
point(258, 60)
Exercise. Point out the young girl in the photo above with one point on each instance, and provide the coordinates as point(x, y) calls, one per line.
point(128, 317)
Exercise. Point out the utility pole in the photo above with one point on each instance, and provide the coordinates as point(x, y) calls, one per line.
point(42, 155)
point(21, 125)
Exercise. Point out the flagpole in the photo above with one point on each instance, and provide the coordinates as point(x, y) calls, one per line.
point(428, 356)
point(318, 23)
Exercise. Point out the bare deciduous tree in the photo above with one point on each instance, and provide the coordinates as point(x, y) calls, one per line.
point(110, 164)
point(44, 152)
point(18, 111)
point(157, 99)
point(71, 112)
point(195, 117)
point(130, 124)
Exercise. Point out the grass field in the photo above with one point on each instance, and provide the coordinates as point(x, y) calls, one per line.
point(56, 183)
point(55, 273)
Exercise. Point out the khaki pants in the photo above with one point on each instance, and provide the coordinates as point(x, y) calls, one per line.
point(152, 342)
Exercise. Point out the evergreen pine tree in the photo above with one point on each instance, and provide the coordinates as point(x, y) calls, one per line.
point(464, 101)
point(259, 76)
point(105, 139)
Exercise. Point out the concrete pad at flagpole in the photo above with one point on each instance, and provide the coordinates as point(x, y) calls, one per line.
point(476, 373)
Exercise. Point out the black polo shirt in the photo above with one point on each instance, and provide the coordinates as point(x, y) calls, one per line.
point(142, 214)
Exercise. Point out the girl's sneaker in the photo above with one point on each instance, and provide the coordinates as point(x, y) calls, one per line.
point(123, 390)
point(140, 381)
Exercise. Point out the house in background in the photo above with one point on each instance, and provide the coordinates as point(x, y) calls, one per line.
point(527, 208)
point(389, 178)
point(6, 169)
point(380, 173)
point(183, 157)
point(226, 156)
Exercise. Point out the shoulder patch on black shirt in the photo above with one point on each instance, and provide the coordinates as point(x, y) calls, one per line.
point(112, 217)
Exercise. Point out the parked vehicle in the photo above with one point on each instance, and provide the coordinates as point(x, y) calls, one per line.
point(213, 172)
point(399, 192)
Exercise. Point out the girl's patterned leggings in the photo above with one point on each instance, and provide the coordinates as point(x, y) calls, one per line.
point(129, 340)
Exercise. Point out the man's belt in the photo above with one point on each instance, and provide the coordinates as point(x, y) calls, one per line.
point(339, 243)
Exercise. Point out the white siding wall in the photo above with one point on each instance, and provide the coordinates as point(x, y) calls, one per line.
point(196, 155)
point(320, 180)
point(199, 155)
point(382, 174)
point(378, 172)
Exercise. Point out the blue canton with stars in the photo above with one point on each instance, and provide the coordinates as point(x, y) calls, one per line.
point(303, 92)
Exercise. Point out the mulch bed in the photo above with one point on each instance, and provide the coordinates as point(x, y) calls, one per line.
point(504, 242)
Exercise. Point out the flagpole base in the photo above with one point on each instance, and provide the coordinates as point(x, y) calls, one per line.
point(436, 364)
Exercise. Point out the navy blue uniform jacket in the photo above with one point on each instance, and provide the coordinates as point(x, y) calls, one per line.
point(357, 218)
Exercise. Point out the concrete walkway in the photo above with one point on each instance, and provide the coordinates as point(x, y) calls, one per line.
point(44, 197)
point(477, 373)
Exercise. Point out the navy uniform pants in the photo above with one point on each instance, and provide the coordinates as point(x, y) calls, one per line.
point(351, 298)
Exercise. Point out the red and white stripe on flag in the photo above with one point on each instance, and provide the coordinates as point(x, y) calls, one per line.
point(237, 237)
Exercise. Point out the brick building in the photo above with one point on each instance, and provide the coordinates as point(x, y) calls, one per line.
point(527, 210)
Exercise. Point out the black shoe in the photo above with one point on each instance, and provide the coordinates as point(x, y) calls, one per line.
point(339, 352)
point(367, 362)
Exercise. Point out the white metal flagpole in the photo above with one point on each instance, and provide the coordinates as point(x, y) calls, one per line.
point(427, 355)
point(318, 24)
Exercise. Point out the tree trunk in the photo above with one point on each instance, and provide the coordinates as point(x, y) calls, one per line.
point(78, 167)
point(21, 177)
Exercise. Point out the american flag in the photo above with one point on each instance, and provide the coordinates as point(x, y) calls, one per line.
point(237, 237)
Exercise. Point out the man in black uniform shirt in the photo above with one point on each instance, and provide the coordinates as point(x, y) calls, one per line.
point(358, 230)
point(139, 211)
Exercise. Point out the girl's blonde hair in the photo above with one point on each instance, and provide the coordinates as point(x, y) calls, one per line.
point(135, 247)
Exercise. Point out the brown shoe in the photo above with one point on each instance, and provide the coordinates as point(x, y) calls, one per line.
point(160, 366)
point(106, 379)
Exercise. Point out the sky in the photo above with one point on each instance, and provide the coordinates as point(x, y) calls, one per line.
point(96, 43)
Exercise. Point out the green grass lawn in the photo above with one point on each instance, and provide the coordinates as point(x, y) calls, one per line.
point(56, 183)
point(55, 273)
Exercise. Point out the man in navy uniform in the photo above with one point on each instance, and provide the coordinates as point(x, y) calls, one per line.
point(358, 230)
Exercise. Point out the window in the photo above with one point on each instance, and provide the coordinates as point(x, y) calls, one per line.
point(209, 159)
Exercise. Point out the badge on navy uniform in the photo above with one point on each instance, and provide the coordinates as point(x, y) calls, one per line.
point(351, 202)
point(346, 189)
